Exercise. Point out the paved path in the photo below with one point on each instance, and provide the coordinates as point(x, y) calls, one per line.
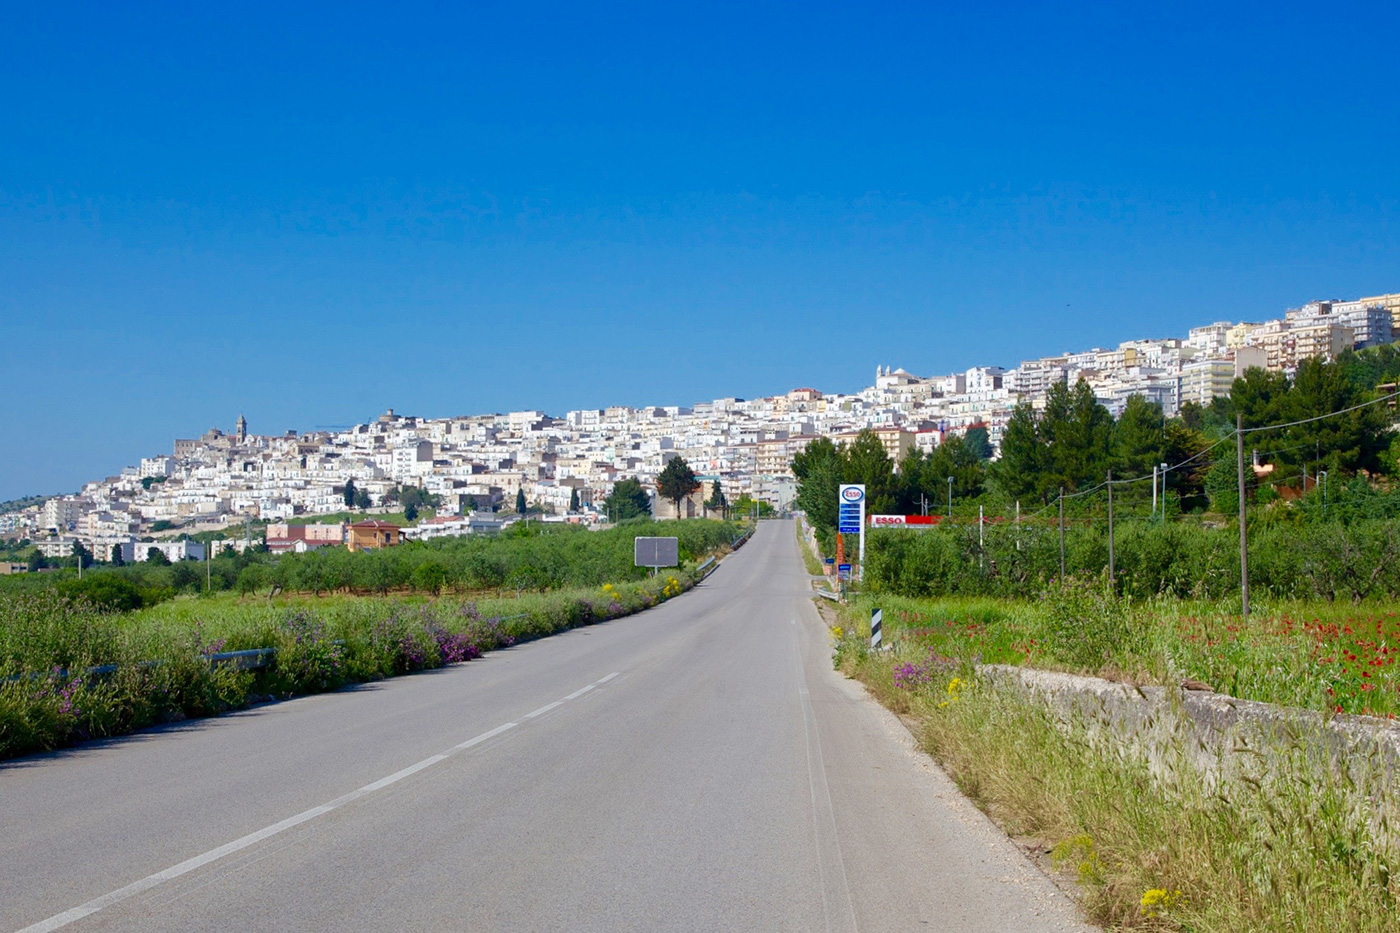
point(695, 767)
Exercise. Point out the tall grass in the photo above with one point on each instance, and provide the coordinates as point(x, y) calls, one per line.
point(1315, 655)
point(1282, 845)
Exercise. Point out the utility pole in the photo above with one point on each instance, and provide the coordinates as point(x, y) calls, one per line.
point(950, 498)
point(1110, 528)
point(1154, 491)
point(1062, 536)
point(1244, 541)
point(1164, 493)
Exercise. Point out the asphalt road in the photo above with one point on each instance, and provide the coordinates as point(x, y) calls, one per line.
point(695, 767)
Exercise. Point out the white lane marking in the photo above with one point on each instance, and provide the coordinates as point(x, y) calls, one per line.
point(58, 921)
point(483, 737)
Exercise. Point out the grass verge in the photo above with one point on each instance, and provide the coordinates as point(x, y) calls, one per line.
point(1314, 655)
point(1279, 844)
point(810, 560)
point(69, 672)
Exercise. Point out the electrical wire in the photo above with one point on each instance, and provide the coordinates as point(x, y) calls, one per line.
point(1203, 452)
point(1275, 427)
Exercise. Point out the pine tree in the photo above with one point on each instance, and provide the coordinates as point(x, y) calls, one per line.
point(627, 500)
point(677, 481)
point(866, 462)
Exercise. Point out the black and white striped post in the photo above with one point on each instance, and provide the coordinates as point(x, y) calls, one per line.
point(875, 628)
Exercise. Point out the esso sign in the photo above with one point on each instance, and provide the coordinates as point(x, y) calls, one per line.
point(852, 493)
point(903, 521)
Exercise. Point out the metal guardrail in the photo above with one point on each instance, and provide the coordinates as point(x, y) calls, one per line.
point(250, 659)
point(827, 594)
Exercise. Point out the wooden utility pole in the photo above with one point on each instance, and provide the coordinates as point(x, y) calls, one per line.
point(1244, 541)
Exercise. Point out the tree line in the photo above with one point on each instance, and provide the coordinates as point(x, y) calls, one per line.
point(541, 557)
point(1072, 442)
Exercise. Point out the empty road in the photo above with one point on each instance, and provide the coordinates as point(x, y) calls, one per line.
point(695, 767)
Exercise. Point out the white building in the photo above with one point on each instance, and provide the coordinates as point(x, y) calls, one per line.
point(139, 551)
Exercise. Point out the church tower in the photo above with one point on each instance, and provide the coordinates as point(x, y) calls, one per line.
point(240, 431)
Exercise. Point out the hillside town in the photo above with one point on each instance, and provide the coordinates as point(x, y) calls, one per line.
point(475, 466)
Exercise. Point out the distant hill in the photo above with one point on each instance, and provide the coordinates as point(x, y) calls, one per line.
point(15, 505)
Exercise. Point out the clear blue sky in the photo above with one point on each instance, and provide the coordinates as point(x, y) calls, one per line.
point(309, 214)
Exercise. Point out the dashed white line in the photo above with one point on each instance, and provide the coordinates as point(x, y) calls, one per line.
point(483, 737)
point(58, 921)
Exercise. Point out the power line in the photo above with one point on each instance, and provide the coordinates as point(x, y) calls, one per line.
point(1344, 411)
point(1198, 455)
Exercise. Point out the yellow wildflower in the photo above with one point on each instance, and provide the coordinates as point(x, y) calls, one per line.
point(1157, 898)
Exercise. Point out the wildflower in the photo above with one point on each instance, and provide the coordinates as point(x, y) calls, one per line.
point(1157, 898)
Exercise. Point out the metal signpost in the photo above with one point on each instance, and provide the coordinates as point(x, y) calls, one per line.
point(655, 552)
point(850, 516)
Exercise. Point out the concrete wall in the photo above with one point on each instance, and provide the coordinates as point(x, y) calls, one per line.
point(1224, 736)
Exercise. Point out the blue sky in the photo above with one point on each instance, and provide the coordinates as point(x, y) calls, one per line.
point(309, 214)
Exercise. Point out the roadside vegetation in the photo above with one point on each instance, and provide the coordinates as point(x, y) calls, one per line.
point(1154, 845)
point(540, 557)
point(1274, 842)
point(78, 663)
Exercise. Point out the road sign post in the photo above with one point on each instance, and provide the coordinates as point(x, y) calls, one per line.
point(875, 619)
point(655, 552)
point(850, 517)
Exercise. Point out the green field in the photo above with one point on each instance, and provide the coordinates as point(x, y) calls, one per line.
point(118, 652)
point(1314, 655)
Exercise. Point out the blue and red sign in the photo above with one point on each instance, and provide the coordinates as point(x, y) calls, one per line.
point(850, 509)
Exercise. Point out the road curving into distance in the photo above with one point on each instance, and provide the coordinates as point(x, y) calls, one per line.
point(698, 766)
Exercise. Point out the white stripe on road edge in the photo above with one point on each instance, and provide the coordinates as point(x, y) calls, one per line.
point(58, 921)
point(544, 709)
